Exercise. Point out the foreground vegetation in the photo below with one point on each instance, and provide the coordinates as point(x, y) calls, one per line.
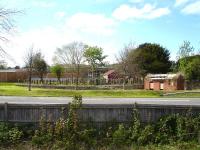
point(169, 132)
point(173, 146)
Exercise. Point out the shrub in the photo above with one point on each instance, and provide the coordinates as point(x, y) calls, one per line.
point(136, 125)
point(44, 134)
point(121, 136)
point(146, 136)
point(88, 138)
point(14, 135)
point(9, 135)
point(166, 129)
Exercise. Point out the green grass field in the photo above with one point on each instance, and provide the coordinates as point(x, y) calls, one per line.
point(10, 89)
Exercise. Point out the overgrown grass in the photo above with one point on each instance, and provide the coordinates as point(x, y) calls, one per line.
point(10, 89)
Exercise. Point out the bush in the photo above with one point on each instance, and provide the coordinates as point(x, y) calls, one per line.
point(166, 129)
point(146, 136)
point(9, 135)
point(121, 136)
point(63, 132)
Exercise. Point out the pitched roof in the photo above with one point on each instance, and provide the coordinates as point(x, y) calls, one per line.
point(108, 72)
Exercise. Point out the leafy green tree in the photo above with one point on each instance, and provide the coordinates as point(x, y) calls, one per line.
point(58, 70)
point(95, 58)
point(185, 50)
point(150, 58)
point(40, 65)
point(192, 69)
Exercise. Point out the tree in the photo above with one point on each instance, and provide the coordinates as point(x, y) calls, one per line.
point(6, 26)
point(29, 64)
point(124, 62)
point(192, 70)
point(71, 54)
point(58, 71)
point(185, 50)
point(40, 65)
point(150, 58)
point(94, 56)
point(3, 64)
point(17, 67)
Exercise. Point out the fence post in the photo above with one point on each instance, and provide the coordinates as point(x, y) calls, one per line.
point(6, 112)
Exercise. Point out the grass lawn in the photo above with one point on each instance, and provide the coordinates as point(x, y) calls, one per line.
point(10, 89)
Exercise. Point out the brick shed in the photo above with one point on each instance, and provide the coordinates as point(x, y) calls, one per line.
point(167, 82)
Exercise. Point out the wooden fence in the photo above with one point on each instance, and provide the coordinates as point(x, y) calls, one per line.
point(95, 113)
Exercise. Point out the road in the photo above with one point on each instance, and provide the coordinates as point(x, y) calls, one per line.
point(65, 100)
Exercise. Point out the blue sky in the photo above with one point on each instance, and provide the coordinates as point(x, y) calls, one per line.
point(109, 24)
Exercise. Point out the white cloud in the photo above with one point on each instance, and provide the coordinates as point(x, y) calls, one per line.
point(46, 39)
point(91, 23)
point(59, 15)
point(180, 2)
point(149, 11)
point(92, 29)
point(193, 8)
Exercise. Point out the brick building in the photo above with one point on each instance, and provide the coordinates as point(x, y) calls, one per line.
point(111, 74)
point(13, 75)
point(167, 82)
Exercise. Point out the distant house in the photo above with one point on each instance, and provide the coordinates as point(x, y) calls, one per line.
point(168, 82)
point(111, 74)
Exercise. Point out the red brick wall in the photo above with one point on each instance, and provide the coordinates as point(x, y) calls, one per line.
point(156, 85)
point(146, 84)
point(168, 85)
point(12, 76)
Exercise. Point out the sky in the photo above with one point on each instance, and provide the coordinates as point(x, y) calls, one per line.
point(110, 24)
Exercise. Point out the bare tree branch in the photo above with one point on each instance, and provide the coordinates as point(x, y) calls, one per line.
point(6, 26)
point(28, 59)
point(71, 54)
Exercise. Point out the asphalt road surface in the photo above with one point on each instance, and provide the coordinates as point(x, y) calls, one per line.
point(65, 100)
